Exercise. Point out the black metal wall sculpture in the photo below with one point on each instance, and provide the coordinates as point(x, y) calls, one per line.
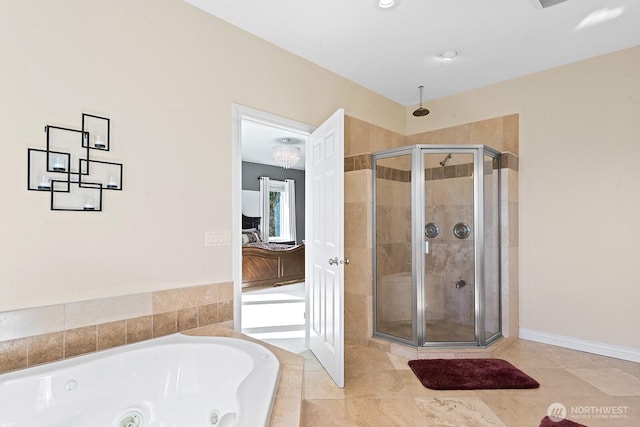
point(67, 170)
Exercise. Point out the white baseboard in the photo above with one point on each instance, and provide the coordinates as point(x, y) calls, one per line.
point(619, 352)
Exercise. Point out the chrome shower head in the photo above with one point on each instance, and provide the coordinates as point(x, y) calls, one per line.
point(420, 111)
point(444, 161)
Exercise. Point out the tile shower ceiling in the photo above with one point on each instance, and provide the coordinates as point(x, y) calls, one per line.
point(392, 52)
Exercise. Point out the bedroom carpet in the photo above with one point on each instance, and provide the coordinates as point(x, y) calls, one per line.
point(470, 374)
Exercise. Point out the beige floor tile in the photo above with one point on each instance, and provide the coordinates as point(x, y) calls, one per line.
point(380, 388)
point(319, 385)
point(560, 382)
point(387, 384)
point(385, 412)
point(310, 362)
point(291, 376)
point(359, 359)
point(567, 358)
point(399, 362)
point(525, 357)
point(519, 410)
point(457, 411)
point(612, 381)
point(415, 388)
point(631, 367)
point(286, 413)
point(326, 413)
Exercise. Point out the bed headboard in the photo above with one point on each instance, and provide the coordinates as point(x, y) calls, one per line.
point(250, 221)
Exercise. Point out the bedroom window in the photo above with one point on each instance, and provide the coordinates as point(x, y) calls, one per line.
point(278, 209)
point(276, 218)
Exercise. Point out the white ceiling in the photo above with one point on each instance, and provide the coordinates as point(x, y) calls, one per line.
point(258, 139)
point(392, 52)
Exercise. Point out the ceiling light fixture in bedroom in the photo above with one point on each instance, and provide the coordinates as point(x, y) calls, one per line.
point(286, 155)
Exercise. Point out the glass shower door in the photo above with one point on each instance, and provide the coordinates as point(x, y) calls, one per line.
point(449, 246)
point(394, 288)
point(491, 217)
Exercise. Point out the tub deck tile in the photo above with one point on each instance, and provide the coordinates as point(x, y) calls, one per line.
point(287, 406)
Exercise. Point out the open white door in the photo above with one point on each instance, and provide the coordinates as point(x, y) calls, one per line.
point(324, 212)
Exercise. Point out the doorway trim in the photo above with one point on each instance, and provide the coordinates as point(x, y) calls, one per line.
point(240, 113)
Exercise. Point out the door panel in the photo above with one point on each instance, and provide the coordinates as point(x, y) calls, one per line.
point(394, 312)
point(449, 263)
point(325, 231)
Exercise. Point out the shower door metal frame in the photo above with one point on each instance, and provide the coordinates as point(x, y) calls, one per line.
point(495, 155)
point(419, 218)
point(415, 289)
point(418, 221)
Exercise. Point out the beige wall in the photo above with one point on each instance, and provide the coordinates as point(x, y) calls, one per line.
point(579, 191)
point(166, 74)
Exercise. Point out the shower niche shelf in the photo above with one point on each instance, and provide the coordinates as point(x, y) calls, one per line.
point(67, 170)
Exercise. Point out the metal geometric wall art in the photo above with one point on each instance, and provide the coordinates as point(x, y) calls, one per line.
point(67, 169)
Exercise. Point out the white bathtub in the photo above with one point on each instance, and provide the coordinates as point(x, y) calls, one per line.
point(174, 381)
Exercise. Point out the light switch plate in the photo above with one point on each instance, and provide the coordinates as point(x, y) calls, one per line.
point(217, 238)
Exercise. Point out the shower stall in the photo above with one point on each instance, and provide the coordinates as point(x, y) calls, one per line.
point(436, 245)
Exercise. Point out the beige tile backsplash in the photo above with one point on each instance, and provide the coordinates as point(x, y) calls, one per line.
point(112, 334)
point(92, 312)
point(46, 334)
point(32, 321)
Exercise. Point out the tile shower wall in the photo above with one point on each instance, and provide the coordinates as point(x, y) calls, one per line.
point(358, 293)
point(361, 139)
point(449, 200)
point(45, 334)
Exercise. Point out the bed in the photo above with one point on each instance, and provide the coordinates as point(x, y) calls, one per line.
point(268, 264)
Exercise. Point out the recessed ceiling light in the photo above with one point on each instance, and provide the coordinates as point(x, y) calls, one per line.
point(448, 54)
point(387, 4)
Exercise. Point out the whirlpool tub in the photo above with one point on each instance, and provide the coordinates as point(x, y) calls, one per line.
point(173, 381)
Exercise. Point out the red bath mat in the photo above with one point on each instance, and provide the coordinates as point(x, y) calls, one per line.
point(470, 374)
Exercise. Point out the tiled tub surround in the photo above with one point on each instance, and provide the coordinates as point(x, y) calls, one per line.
point(361, 139)
point(286, 411)
point(39, 335)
